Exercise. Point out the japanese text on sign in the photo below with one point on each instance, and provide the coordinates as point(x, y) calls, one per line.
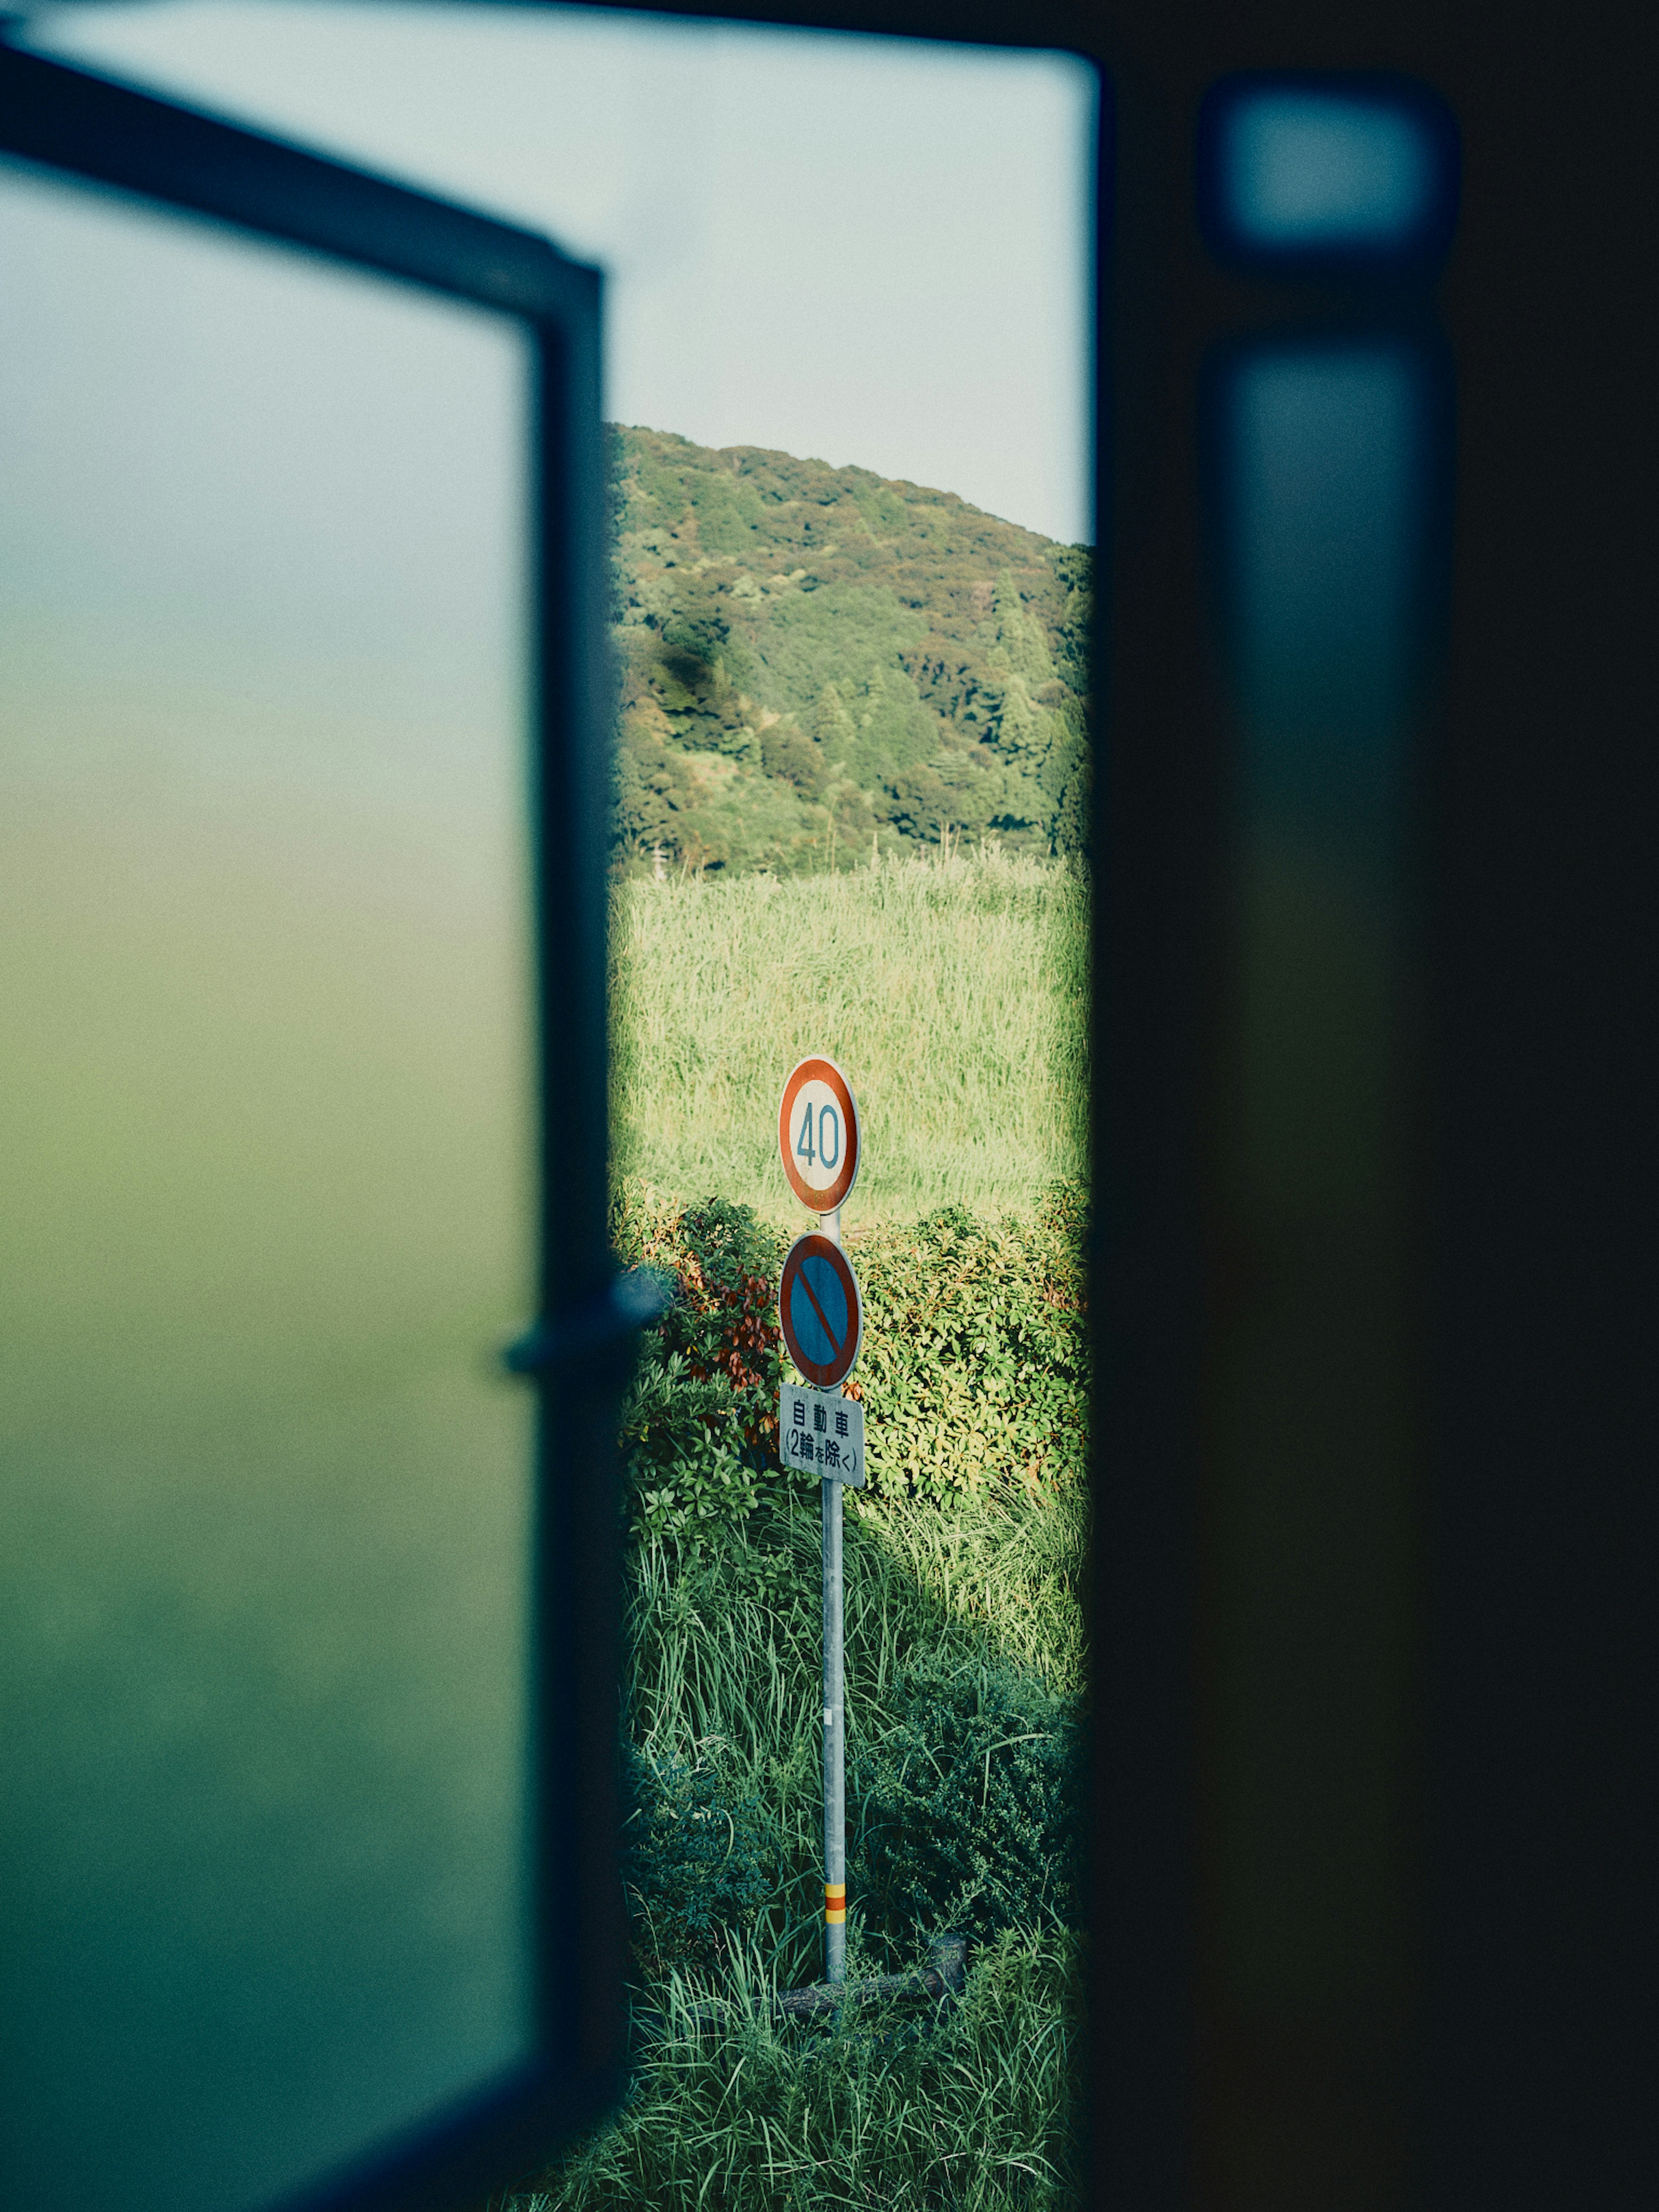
point(822, 1433)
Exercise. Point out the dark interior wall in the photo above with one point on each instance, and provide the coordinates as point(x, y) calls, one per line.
point(1514, 2072)
point(1537, 2030)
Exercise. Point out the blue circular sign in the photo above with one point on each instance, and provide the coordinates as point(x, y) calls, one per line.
point(821, 1310)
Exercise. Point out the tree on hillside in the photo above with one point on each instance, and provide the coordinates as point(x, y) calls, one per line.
point(1019, 635)
point(832, 726)
point(787, 752)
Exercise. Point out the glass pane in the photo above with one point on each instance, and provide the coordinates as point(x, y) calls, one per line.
point(265, 1204)
point(1328, 449)
point(1306, 168)
point(1329, 461)
point(1362, 170)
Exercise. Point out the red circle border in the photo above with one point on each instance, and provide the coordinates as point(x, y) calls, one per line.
point(822, 1375)
point(822, 1071)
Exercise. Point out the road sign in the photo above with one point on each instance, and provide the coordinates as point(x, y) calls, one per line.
point(822, 1433)
point(822, 1312)
point(822, 1319)
point(818, 1135)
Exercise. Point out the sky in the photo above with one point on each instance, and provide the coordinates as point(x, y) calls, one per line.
point(864, 251)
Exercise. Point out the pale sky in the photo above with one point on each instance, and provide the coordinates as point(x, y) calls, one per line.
point(861, 250)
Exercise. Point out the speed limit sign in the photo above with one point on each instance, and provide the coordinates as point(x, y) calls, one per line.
point(818, 1135)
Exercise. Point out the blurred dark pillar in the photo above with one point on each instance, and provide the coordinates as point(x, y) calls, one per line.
point(1487, 2037)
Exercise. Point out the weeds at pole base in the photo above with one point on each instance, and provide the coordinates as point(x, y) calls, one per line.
point(731, 2111)
point(744, 2110)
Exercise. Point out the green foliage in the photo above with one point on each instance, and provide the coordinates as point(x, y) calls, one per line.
point(967, 1806)
point(700, 1428)
point(702, 1862)
point(967, 2106)
point(973, 1359)
point(972, 1371)
point(813, 661)
point(955, 995)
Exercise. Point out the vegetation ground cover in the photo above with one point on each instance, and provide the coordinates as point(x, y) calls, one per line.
point(964, 1675)
point(955, 995)
point(852, 725)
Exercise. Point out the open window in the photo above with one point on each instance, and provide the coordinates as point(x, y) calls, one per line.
point(310, 1662)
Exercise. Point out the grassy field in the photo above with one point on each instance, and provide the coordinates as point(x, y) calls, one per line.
point(955, 998)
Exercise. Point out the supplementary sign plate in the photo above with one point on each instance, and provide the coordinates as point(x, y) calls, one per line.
point(818, 1135)
point(821, 1310)
point(822, 1433)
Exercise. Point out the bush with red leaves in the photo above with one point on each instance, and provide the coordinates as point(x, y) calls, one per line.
point(702, 1424)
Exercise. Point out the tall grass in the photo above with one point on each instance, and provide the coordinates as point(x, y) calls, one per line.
point(731, 2107)
point(955, 996)
point(969, 2110)
point(726, 1653)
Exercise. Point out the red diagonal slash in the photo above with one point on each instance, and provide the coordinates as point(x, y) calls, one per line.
point(835, 1342)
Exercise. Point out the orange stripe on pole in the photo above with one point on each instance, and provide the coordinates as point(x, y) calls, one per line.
point(834, 1902)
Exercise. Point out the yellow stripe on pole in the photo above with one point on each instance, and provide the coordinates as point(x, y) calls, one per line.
point(835, 1903)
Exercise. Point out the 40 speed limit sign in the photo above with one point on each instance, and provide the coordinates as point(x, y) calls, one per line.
point(818, 1135)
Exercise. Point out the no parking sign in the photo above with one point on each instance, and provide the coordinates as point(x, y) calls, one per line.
point(821, 1309)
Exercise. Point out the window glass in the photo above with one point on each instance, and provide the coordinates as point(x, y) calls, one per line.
point(1329, 456)
point(1328, 473)
point(1326, 172)
point(266, 1209)
point(1306, 168)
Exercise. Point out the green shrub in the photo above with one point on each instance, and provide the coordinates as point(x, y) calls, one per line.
point(964, 1808)
point(700, 1428)
point(702, 1862)
point(974, 1365)
point(972, 1374)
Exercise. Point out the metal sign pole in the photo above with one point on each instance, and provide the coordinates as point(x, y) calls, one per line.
point(835, 1731)
point(821, 1311)
point(835, 1716)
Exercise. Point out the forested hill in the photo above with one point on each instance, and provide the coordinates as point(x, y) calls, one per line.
point(812, 659)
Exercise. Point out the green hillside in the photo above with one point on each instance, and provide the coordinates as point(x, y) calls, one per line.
point(815, 661)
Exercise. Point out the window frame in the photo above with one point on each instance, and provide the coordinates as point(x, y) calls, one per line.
point(88, 130)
